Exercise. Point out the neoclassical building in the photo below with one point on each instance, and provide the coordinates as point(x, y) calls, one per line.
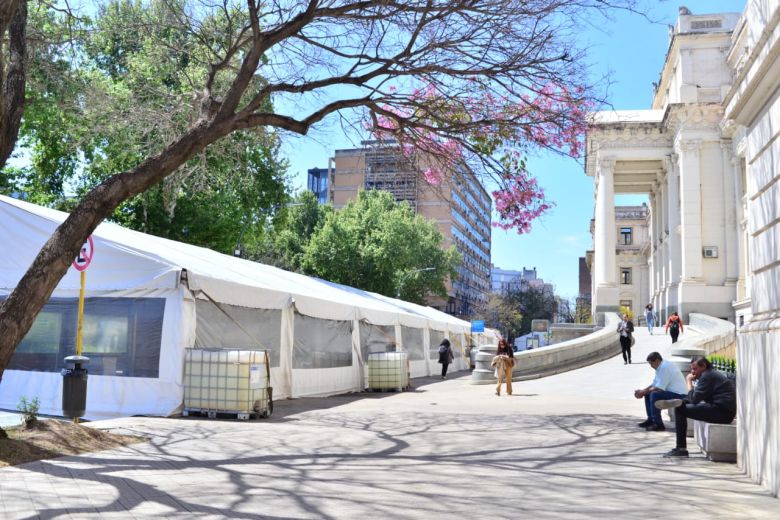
point(707, 154)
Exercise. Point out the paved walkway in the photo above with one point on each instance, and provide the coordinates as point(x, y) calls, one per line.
point(562, 447)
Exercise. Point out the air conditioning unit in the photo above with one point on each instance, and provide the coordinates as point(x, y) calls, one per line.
point(709, 251)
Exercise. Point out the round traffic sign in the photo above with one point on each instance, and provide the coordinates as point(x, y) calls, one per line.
point(84, 258)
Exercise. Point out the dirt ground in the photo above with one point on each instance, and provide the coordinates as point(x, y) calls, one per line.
point(52, 438)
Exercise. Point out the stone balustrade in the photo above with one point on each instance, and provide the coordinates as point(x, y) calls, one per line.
point(714, 335)
point(554, 359)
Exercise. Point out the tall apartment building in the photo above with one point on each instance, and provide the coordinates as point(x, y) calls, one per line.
point(460, 206)
point(317, 183)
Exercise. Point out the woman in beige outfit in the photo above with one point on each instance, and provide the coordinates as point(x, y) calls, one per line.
point(504, 362)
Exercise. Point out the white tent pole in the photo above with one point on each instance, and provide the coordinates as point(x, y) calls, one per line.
point(427, 348)
point(287, 340)
point(358, 363)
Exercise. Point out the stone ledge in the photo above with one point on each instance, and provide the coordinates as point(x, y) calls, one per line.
point(717, 441)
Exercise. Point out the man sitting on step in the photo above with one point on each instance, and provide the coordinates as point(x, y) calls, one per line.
point(669, 383)
point(713, 399)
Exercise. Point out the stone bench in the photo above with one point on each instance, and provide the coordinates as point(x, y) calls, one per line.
point(717, 441)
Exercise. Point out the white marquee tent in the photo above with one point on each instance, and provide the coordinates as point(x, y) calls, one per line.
point(149, 299)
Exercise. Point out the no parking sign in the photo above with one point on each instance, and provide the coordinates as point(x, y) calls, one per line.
point(85, 255)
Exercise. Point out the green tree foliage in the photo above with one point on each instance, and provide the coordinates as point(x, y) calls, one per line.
point(136, 63)
point(375, 243)
point(503, 315)
point(534, 303)
point(284, 240)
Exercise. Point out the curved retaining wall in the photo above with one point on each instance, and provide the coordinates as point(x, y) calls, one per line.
point(562, 357)
point(714, 335)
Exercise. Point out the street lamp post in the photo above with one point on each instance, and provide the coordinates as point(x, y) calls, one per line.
point(407, 275)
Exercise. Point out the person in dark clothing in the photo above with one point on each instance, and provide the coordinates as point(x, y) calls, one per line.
point(674, 326)
point(626, 329)
point(713, 399)
point(445, 356)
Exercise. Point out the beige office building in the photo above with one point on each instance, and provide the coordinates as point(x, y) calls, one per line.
point(461, 207)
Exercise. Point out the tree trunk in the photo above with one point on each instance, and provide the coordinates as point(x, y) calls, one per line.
point(13, 17)
point(18, 312)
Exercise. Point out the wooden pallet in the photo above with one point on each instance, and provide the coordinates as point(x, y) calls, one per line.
point(225, 414)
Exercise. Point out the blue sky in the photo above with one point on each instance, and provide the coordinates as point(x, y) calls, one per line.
point(632, 50)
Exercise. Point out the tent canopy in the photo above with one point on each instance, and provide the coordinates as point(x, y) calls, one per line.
point(129, 260)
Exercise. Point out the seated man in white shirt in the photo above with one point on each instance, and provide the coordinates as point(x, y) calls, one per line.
point(669, 383)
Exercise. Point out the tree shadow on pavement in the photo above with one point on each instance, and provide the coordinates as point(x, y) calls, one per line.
point(332, 464)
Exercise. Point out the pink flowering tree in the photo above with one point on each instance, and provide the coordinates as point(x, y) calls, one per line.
point(477, 84)
point(493, 135)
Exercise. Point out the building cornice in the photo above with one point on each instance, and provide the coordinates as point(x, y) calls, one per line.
point(758, 65)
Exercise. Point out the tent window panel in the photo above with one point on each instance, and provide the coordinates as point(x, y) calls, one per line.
point(121, 336)
point(238, 327)
point(456, 341)
point(44, 335)
point(413, 343)
point(376, 338)
point(436, 338)
point(322, 343)
point(104, 334)
point(145, 323)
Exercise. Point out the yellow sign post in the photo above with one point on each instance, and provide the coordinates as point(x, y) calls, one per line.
point(81, 313)
point(81, 263)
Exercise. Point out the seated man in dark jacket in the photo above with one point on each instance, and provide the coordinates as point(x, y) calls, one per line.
point(713, 400)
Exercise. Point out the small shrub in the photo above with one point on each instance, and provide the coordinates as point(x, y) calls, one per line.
point(29, 410)
point(625, 310)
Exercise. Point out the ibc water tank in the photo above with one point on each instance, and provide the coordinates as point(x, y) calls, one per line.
point(388, 371)
point(226, 381)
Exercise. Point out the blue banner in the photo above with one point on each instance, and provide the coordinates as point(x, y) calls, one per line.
point(478, 326)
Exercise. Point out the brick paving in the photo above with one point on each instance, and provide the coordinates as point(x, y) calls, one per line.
point(566, 446)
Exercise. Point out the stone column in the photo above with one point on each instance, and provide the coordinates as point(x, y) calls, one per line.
point(673, 230)
point(663, 245)
point(690, 210)
point(605, 279)
point(651, 263)
point(730, 219)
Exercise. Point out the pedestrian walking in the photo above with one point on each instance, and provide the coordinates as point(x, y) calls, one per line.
point(504, 363)
point(445, 356)
point(674, 326)
point(649, 317)
point(626, 330)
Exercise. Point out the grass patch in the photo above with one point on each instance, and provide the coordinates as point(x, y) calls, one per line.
point(53, 438)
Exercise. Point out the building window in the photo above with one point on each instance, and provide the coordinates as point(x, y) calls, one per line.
point(626, 236)
point(625, 275)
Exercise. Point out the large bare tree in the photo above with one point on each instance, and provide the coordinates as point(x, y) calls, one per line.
point(471, 84)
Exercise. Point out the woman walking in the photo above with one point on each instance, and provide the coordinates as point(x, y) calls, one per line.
point(625, 329)
point(445, 356)
point(504, 362)
point(674, 326)
point(649, 317)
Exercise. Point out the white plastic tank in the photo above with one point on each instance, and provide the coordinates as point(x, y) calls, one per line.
point(226, 380)
point(388, 370)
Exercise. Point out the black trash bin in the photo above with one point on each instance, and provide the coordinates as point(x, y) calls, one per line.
point(74, 387)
